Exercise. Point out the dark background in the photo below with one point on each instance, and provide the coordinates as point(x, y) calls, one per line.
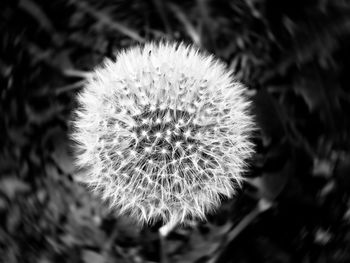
point(293, 55)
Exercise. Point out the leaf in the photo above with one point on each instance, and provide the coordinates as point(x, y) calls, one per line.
point(267, 113)
point(37, 13)
point(323, 168)
point(12, 186)
point(61, 154)
point(270, 185)
point(90, 256)
point(342, 172)
point(13, 219)
point(42, 116)
point(311, 87)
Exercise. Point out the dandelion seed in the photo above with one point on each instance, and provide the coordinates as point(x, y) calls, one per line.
point(163, 131)
point(177, 144)
point(148, 149)
point(187, 134)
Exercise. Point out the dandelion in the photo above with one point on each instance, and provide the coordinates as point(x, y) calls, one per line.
point(163, 133)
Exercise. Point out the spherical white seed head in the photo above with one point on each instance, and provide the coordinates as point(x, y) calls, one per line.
point(163, 132)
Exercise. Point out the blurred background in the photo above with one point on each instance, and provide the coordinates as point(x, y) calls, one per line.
point(294, 56)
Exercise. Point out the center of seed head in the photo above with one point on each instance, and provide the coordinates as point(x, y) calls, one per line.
point(165, 134)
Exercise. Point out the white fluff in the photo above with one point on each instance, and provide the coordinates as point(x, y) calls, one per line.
point(163, 131)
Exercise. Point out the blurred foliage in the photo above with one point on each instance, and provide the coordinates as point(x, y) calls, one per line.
point(294, 57)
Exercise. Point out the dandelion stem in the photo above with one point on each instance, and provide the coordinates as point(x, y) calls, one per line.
point(261, 207)
point(163, 234)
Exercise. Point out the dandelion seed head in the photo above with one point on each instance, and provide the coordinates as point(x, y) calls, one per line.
point(163, 131)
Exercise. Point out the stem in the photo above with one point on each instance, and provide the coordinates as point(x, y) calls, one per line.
point(163, 233)
point(261, 207)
